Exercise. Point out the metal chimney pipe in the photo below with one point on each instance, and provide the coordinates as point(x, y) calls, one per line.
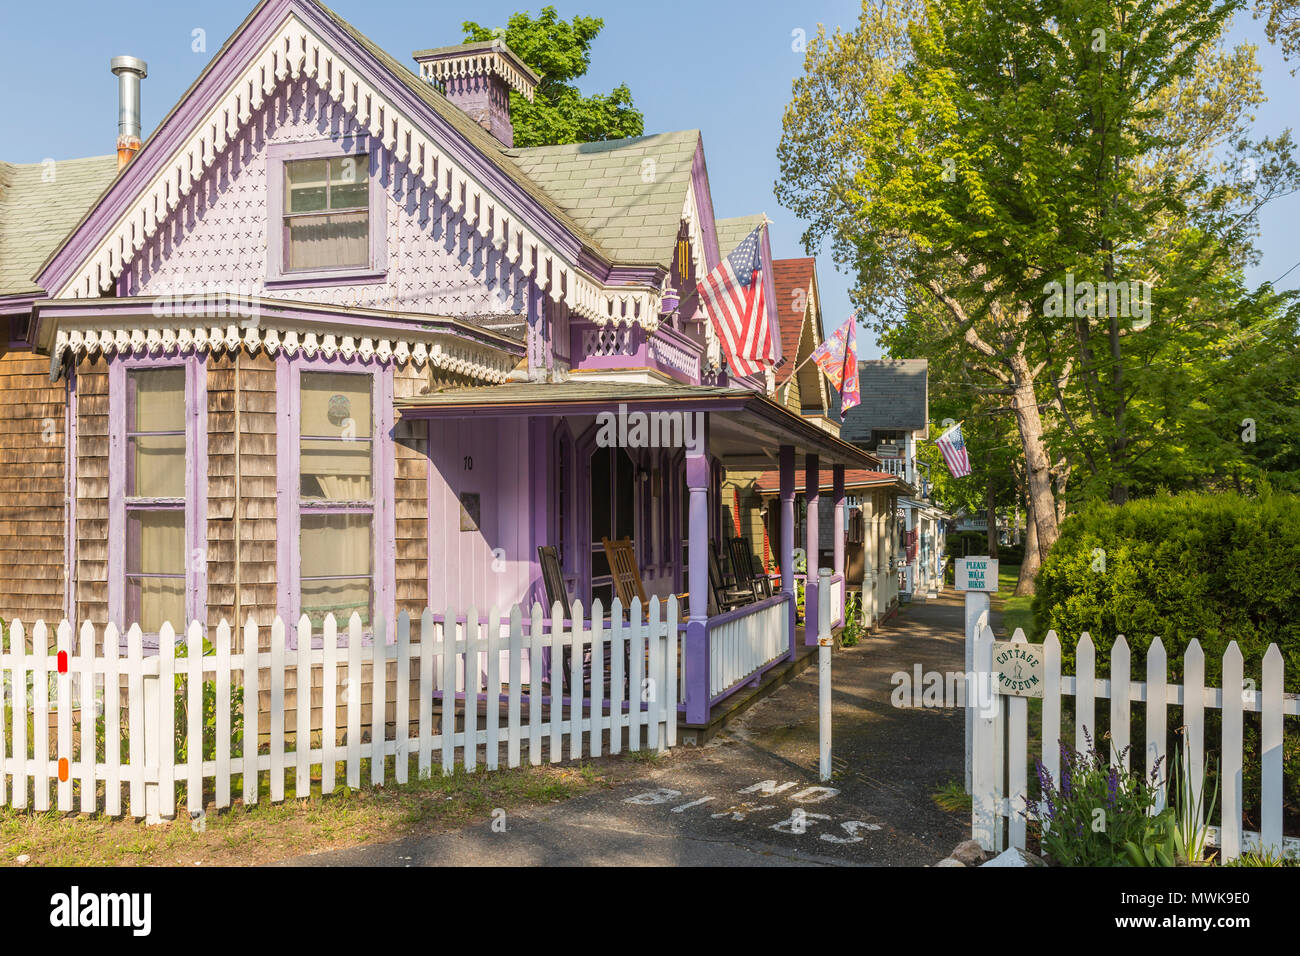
point(129, 71)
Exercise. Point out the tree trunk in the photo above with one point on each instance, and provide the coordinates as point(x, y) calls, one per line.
point(1038, 470)
point(1031, 563)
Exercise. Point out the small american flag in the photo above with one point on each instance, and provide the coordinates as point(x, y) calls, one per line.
point(733, 296)
point(954, 451)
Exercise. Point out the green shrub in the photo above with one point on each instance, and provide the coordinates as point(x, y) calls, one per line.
point(1218, 568)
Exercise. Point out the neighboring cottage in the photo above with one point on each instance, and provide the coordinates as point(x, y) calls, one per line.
point(328, 343)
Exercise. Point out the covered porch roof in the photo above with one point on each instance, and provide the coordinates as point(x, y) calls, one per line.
point(746, 428)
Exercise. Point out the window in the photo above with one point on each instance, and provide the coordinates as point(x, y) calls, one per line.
point(612, 513)
point(326, 213)
point(336, 497)
point(155, 498)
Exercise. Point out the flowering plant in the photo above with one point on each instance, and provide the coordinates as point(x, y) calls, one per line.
point(1095, 811)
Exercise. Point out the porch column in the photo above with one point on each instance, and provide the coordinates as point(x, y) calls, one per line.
point(787, 533)
point(812, 495)
point(837, 499)
point(696, 650)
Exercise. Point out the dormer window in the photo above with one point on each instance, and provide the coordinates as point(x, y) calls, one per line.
point(325, 213)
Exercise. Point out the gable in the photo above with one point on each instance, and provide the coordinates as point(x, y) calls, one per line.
point(282, 42)
point(220, 232)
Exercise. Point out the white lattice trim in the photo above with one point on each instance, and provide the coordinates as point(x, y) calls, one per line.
point(478, 63)
point(293, 52)
point(461, 359)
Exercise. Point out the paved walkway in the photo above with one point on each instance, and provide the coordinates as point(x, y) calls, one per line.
point(751, 797)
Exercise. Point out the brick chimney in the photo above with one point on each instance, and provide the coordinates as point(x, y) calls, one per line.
point(477, 78)
point(129, 71)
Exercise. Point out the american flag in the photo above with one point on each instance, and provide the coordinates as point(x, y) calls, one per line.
point(733, 295)
point(954, 451)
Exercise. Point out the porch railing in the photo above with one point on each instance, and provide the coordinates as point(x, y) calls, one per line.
point(744, 641)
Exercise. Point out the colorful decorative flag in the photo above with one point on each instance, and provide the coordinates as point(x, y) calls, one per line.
point(837, 357)
point(954, 451)
point(733, 296)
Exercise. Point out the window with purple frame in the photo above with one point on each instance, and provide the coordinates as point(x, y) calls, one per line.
point(155, 572)
point(336, 496)
point(326, 213)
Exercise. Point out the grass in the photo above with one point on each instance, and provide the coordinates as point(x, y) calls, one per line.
point(244, 835)
point(952, 797)
point(1017, 612)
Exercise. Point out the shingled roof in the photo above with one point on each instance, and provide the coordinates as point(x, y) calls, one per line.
point(895, 397)
point(627, 193)
point(732, 231)
point(39, 204)
point(791, 275)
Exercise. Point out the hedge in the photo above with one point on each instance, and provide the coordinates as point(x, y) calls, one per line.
point(1218, 568)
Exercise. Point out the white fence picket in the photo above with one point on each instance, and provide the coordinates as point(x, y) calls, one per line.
point(252, 711)
point(63, 743)
point(535, 687)
point(1017, 744)
point(1085, 694)
point(1157, 720)
point(277, 710)
point(617, 655)
point(1194, 718)
point(402, 702)
point(18, 654)
point(1270, 789)
point(135, 718)
point(86, 670)
point(378, 700)
point(1052, 706)
point(986, 771)
point(596, 707)
point(194, 749)
point(1120, 671)
point(655, 638)
point(556, 750)
point(223, 716)
point(447, 724)
point(577, 642)
point(472, 672)
point(492, 708)
point(354, 702)
point(636, 667)
point(41, 717)
point(5, 697)
point(329, 736)
point(424, 765)
point(302, 710)
point(515, 692)
point(672, 659)
point(1230, 755)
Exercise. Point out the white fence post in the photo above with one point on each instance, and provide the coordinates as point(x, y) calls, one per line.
point(987, 768)
point(824, 674)
point(976, 619)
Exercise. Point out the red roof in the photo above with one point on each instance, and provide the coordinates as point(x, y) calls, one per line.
point(791, 275)
point(769, 482)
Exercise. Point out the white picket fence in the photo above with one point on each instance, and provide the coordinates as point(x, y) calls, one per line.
point(1000, 760)
point(509, 671)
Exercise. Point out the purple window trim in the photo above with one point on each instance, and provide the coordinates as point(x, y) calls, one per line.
point(196, 485)
point(277, 154)
point(288, 381)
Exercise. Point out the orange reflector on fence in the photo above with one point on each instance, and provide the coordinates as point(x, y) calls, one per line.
point(63, 770)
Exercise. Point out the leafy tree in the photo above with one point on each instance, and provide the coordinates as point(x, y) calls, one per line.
point(1283, 26)
point(560, 52)
point(990, 149)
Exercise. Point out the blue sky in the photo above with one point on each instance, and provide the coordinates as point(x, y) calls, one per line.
point(725, 68)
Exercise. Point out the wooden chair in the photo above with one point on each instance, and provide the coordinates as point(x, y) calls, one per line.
point(553, 579)
point(721, 596)
point(623, 569)
point(743, 566)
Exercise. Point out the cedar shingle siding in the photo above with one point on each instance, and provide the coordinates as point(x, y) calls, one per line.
point(32, 517)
